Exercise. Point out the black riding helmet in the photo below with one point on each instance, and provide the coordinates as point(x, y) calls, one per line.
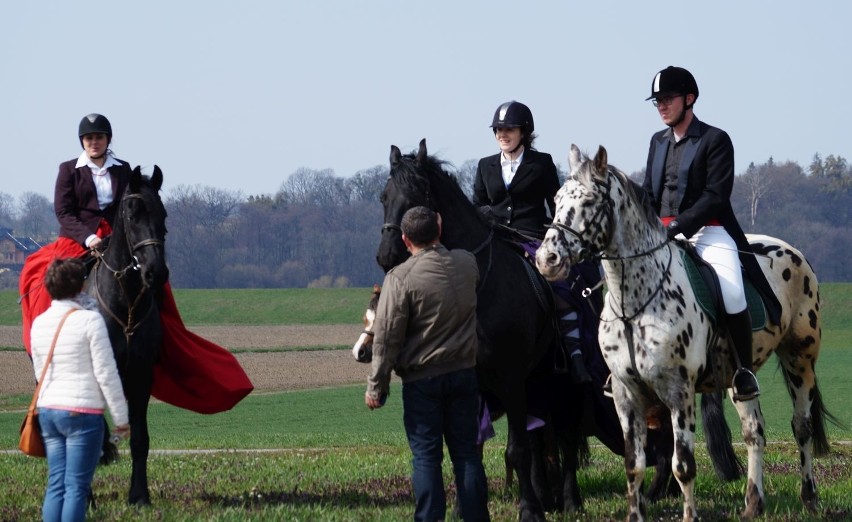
point(514, 114)
point(95, 124)
point(673, 81)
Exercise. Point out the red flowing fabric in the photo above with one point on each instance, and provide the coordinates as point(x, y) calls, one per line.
point(34, 296)
point(193, 373)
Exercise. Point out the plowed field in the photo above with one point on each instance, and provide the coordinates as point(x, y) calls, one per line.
point(273, 371)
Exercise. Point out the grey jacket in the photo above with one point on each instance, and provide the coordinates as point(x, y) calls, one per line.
point(425, 322)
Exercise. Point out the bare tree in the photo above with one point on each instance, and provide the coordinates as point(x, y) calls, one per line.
point(367, 184)
point(36, 217)
point(758, 183)
point(200, 230)
point(313, 187)
point(7, 210)
point(465, 176)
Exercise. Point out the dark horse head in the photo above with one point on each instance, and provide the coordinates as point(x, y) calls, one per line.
point(419, 179)
point(140, 228)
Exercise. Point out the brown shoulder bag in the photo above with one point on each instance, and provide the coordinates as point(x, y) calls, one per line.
point(31, 442)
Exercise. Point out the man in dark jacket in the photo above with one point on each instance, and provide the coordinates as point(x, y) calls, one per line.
point(425, 330)
point(690, 176)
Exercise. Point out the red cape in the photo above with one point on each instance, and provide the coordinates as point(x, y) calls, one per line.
point(192, 373)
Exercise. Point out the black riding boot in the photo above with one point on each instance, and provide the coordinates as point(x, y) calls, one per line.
point(745, 383)
point(569, 330)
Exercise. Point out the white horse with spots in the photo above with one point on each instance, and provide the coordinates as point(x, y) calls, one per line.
point(656, 338)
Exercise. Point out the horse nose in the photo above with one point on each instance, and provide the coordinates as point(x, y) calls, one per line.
point(551, 259)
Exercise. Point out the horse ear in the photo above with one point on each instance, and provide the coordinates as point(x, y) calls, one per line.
point(157, 178)
point(136, 179)
point(377, 289)
point(421, 153)
point(600, 161)
point(574, 157)
point(395, 156)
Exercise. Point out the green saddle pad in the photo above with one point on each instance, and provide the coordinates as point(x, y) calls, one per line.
point(705, 297)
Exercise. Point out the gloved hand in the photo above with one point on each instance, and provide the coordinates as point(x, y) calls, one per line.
point(672, 230)
point(487, 214)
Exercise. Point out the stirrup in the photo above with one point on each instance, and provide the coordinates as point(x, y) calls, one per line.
point(607, 387)
point(752, 387)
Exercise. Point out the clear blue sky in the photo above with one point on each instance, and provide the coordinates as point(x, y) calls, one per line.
point(238, 95)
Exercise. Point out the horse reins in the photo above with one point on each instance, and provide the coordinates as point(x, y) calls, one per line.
point(132, 323)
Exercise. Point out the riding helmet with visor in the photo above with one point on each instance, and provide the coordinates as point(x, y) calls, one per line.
point(511, 115)
point(673, 81)
point(95, 124)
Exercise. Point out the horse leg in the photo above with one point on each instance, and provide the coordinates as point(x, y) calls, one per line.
point(801, 386)
point(751, 420)
point(570, 443)
point(631, 415)
point(518, 455)
point(661, 446)
point(540, 467)
point(683, 457)
point(138, 391)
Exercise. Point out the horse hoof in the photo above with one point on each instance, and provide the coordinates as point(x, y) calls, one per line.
point(144, 501)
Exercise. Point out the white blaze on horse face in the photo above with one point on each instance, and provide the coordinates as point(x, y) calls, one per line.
point(365, 340)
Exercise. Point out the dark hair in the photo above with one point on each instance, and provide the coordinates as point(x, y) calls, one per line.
point(64, 278)
point(420, 225)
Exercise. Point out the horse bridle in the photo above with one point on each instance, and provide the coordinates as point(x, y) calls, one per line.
point(587, 250)
point(131, 325)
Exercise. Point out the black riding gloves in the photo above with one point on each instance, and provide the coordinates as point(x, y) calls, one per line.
point(672, 230)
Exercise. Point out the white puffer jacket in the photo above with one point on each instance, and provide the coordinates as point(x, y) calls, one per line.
point(82, 373)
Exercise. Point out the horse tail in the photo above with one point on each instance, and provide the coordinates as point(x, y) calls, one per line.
point(819, 414)
point(717, 435)
point(109, 449)
point(584, 453)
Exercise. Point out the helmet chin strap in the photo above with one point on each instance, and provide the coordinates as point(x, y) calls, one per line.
point(682, 114)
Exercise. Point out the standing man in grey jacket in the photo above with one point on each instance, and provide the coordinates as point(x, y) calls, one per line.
point(425, 331)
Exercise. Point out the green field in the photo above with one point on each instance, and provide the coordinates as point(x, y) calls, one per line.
point(344, 305)
point(334, 460)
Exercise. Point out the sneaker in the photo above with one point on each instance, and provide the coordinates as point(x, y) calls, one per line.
point(745, 385)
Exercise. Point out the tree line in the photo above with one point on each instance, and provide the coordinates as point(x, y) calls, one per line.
point(321, 230)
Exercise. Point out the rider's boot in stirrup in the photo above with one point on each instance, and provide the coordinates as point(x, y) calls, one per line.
point(745, 384)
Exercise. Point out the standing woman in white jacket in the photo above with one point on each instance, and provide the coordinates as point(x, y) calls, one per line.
point(81, 381)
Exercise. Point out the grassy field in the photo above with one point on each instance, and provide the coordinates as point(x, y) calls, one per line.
point(333, 460)
point(343, 305)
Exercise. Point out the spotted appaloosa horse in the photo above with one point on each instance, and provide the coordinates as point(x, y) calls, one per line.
point(655, 337)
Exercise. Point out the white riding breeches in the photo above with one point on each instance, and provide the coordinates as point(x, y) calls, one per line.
point(715, 246)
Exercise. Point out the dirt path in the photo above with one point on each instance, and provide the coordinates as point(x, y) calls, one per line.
point(268, 371)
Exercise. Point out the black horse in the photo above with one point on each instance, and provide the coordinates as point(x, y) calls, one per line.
point(515, 314)
point(125, 281)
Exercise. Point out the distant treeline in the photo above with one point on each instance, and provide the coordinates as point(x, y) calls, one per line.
point(320, 230)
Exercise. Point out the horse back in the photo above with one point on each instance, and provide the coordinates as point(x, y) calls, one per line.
point(795, 284)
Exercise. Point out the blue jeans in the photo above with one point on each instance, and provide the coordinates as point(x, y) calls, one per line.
point(73, 442)
point(437, 409)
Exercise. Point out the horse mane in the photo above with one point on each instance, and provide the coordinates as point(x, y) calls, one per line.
point(637, 195)
point(418, 179)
